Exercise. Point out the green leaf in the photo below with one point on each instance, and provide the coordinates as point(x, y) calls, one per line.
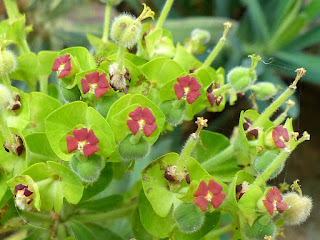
point(157, 187)
point(162, 70)
point(46, 60)
point(63, 120)
point(55, 182)
point(39, 148)
point(241, 144)
point(119, 114)
point(150, 220)
point(258, 19)
point(41, 105)
point(81, 231)
point(102, 232)
point(28, 68)
point(209, 145)
point(306, 39)
point(248, 203)
point(139, 231)
point(102, 204)
point(3, 184)
point(186, 59)
point(99, 185)
point(105, 49)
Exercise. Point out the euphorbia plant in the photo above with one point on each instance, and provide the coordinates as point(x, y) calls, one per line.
point(61, 149)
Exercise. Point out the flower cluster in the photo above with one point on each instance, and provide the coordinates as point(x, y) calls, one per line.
point(142, 120)
point(95, 84)
point(84, 141)
point(62, 65)
point(22, 194)
point(187, 87)
point(274, 201)
point(209, 193)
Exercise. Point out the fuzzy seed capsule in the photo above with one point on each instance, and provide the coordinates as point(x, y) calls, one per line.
point(241, 78)
point(8, 62)
point(264, 90)
point(126, 30)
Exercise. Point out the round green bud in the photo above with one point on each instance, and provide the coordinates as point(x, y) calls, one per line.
point(262, 161)
point(88, 169)
point(260, 228)
point(133, 147)
point(298, 208)
point(203, 36)
point(8, 62)
point(189, 217)
point(174, 110)
point(163, 48)
point(125, 30)
point(5, 96)
point(264, 90)
point(241, 78)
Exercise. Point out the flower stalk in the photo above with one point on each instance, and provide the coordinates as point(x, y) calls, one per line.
point(106, 26)
point(218, 47)
point(280, 100)
point(12, 9)
point(164, 13)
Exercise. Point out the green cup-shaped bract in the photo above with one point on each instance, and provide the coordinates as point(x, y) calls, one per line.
point(264, 90)
point(88, 169)
point(189, 217)
point(131, 148)
point(174, 110)
point(125, 30)
point(298, 208)
point(8, 62)
point(260, 228)
point(70, 95)
point(241, 78)
point(262, 161)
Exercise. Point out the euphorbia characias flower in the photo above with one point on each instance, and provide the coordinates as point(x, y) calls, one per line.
point(209, 193)
point(142, 120)
point(280, 135)
point(62, 65)
point(23, 197)
point(83, 141)
point(274, 201)
point(95, 83)
point(187, 87)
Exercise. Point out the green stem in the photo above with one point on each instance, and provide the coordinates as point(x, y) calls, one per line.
point(107, 14)
point(43, 84)
point(164, 13)
point(6, 80)
point(214, 53)
point(280, 119)
point(218, 159)
point(36, 217)
point(134, 139)
point(121, 57)
point(261, 179)
point(6, 133)
point(95, 217)
point(280, 100)
point(12, 9)
point(185, 153)
point(23, 46)
point(217, 232)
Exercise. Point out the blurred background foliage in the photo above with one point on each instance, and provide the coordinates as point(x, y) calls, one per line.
point(286, 33)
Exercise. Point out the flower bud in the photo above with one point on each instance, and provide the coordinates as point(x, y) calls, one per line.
point(203, 36)
point(125, 30)
point(260, 228)
point(133, 147)
point(298, 208)
point(88, 169)
point(262, 161)
point(264, 90)
point(5, 96)
point(8, 62)
point(241, 78)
